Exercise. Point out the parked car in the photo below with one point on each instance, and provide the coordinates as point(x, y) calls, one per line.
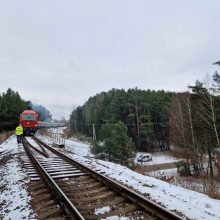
point(144, 158)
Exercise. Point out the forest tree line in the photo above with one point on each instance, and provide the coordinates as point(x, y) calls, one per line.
point(11, 106)
point(144, 113)
point(195, 124)
point(156, 119)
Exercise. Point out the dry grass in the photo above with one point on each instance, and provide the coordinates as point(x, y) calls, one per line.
point(213, 189)
point(139, 169)
point(213, 194)
point(44, 132)
point(66, 132)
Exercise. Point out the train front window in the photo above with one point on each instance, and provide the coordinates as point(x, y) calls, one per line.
point(28, 117)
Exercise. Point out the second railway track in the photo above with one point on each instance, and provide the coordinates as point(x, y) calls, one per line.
point(83, 193)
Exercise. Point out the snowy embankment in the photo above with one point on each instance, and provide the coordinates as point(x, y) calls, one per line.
point(14, 198)
point(191, 204)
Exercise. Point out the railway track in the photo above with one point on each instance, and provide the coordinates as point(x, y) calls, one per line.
point(78, 192)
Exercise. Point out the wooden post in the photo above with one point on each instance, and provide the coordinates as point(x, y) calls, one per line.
point(93, 133)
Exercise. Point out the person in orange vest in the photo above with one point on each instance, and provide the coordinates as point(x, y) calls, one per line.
point(19, 133)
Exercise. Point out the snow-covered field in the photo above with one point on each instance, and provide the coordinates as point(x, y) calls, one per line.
point(191, 204)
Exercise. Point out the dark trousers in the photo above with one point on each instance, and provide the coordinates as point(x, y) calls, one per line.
point(19, 139)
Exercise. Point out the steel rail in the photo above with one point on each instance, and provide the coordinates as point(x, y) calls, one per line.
point(148, 205)
point(44, 153)
point(61, 197)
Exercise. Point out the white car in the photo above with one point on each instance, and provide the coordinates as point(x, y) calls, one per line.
point(144, 158)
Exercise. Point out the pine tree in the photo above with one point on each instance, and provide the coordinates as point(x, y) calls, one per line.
point(116, 144)
point(11, 105)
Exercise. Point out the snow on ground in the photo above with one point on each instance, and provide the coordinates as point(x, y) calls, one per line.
point(191, 204)
point(164, 173)
point(102, 210)
point(57, 130)
point(73, 145)
point(157, 158)
point(117, 218)
point(14, 198)
point(78, 148)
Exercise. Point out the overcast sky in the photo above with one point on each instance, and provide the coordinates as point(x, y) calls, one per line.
point(59, 53)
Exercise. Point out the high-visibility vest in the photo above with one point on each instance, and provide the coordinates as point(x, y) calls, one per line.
point(19, 130)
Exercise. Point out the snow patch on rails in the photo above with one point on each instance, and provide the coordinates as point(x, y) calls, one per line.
point(90, 191)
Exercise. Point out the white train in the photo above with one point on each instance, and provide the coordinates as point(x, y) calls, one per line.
point(44, 124)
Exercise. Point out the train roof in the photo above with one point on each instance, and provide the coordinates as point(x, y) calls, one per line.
point(29, 112)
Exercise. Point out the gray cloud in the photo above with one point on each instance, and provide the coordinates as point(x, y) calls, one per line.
point(58, 53)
